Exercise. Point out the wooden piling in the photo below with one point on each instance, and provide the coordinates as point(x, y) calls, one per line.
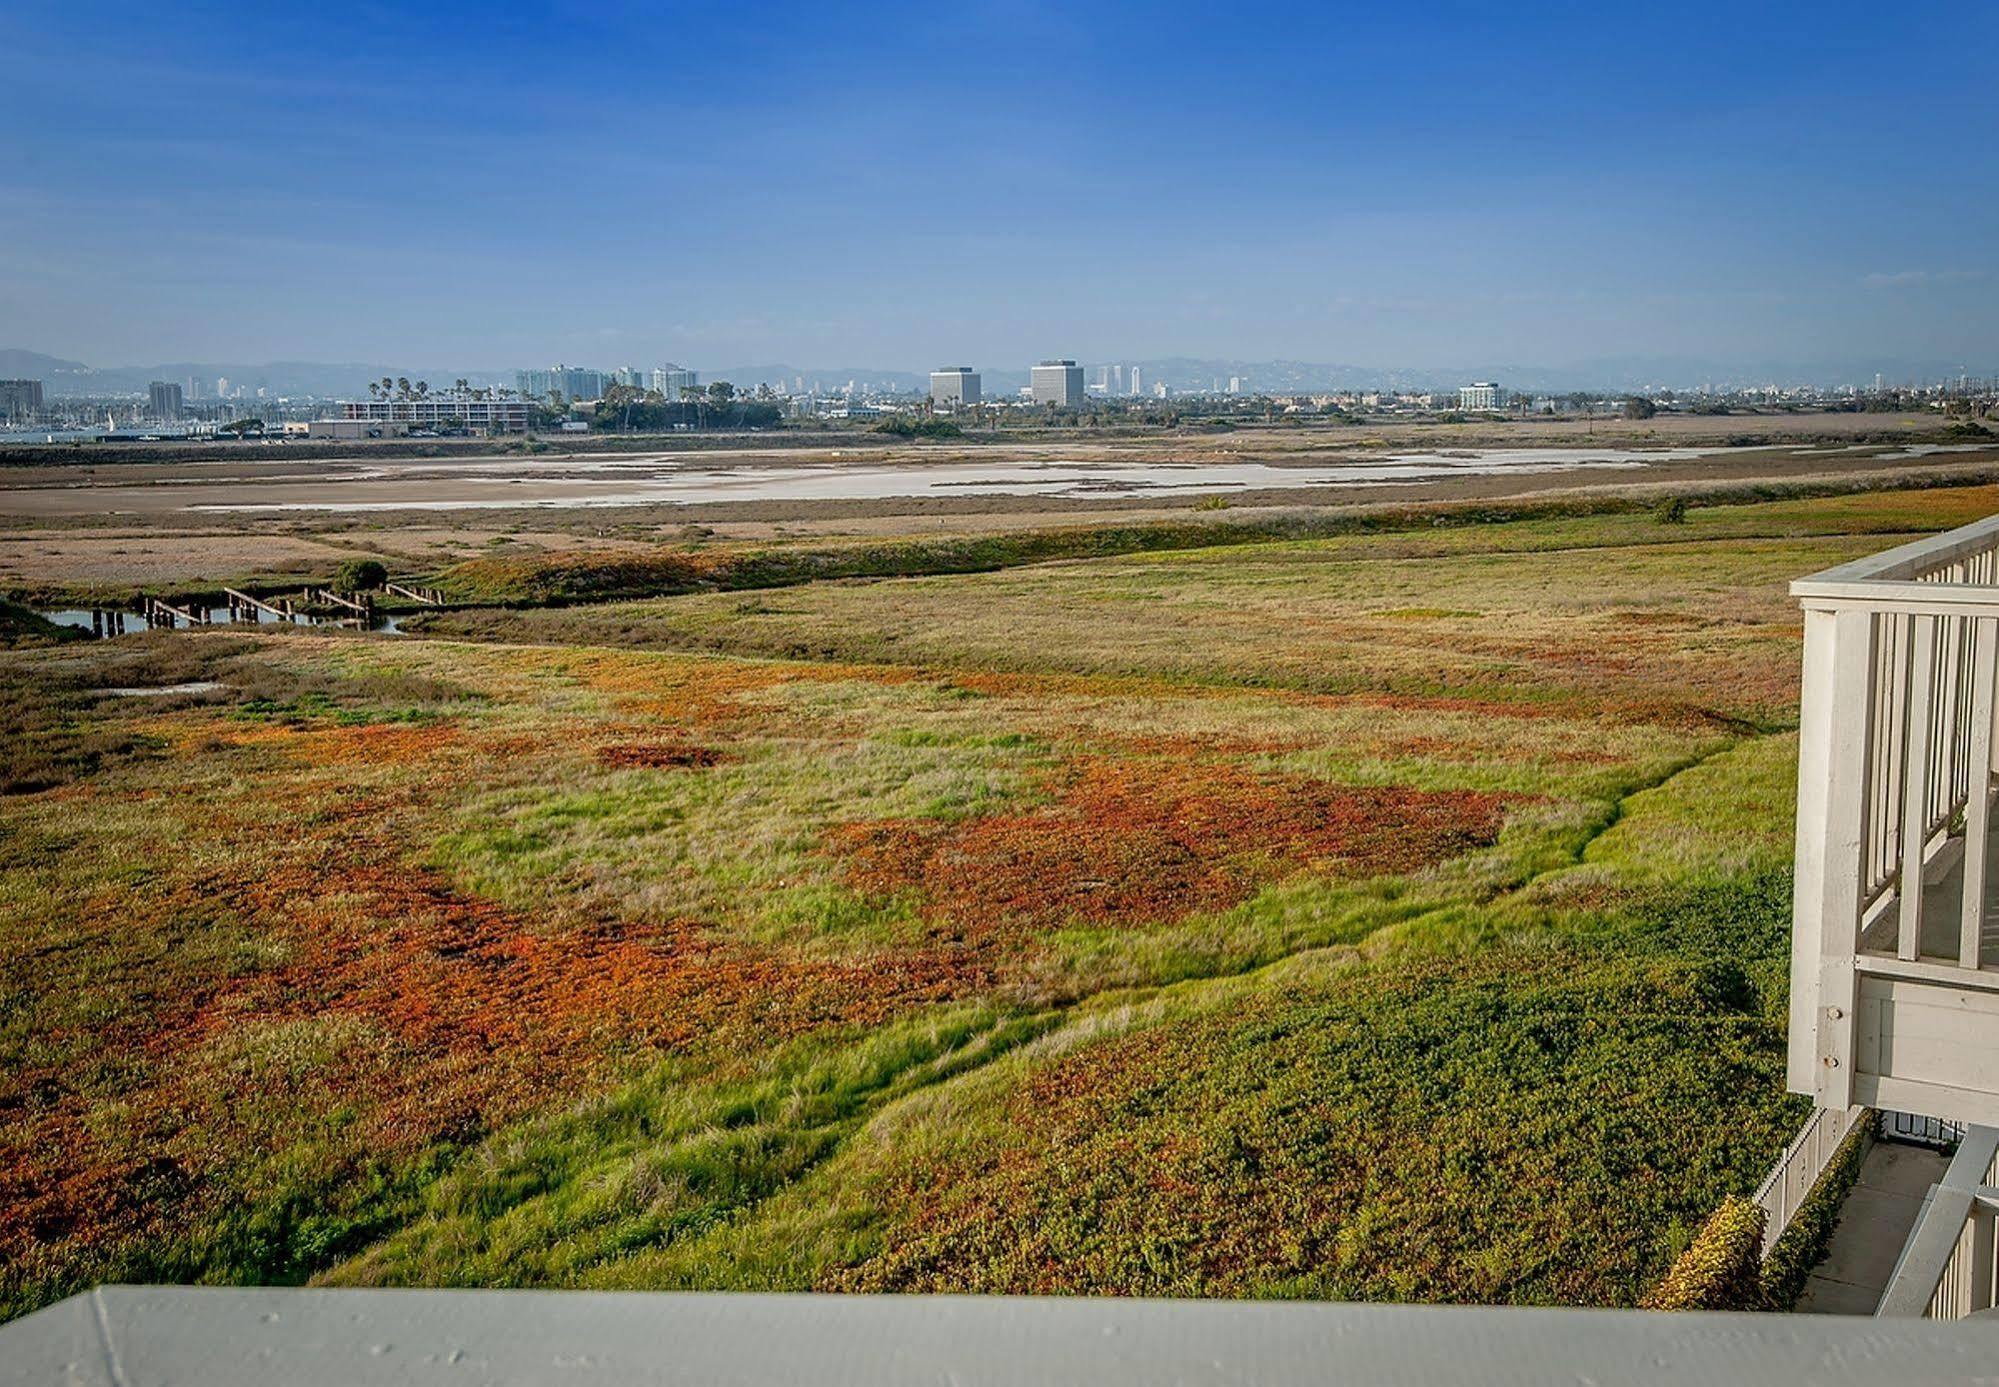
point(328, 595)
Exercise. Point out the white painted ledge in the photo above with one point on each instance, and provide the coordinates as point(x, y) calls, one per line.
point(162, 1337)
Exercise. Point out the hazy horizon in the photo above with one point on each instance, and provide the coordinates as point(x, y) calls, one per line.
point(615, 184)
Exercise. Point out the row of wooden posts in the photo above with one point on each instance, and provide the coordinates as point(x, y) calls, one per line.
point(243, 606)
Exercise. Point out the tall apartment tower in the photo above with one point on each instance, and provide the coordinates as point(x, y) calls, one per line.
point(20, 400)
point(1056, 383)
point(669, 380)
point(954, 386)
point(163, 399)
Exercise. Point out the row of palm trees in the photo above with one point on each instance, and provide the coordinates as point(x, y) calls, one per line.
point(398, 388)
point(402, 388)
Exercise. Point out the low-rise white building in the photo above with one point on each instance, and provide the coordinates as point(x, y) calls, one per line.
point(449, 409)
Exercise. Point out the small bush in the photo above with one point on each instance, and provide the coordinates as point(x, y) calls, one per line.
point(1722, 1268)
point(1672, 511)
point(360, 575)
point(1804, 1243)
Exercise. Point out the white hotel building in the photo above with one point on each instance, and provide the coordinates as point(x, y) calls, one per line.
point(478, 413)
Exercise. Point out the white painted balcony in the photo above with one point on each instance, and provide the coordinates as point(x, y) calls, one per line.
point(1895, 943)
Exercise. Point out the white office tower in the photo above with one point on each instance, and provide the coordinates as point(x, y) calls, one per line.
point(1056, 382)
point(952, 387)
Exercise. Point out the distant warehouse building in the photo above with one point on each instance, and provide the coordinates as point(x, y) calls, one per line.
point(349, 430)
point(1056, 383)
point(449, 410)
point(1481, 395)
point(954, 386)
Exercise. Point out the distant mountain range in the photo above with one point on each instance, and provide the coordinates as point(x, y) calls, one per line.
point(62, 377)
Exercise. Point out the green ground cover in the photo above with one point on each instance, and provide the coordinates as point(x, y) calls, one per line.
point(1335, 917)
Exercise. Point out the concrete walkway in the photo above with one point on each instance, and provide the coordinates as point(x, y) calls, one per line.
point(1874, 1223)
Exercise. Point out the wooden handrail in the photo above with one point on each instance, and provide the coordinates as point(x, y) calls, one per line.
point(1945, 1270)
point(1897, 751)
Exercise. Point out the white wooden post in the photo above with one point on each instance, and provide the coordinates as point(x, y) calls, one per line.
point(1916, 780)
point(1833, 735)
point(1978, 802)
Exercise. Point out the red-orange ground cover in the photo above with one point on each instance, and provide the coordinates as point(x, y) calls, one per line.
point(457, 1014)
point(660, 756)
point(1144, 841)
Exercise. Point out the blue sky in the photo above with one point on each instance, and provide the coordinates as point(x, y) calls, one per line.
point(901, 186)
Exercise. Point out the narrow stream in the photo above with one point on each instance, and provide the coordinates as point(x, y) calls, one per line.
point(119, 621)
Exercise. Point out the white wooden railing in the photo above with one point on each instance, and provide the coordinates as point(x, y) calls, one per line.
point(1791, 1179)
point(1894, 1000)
point(1947, 1266)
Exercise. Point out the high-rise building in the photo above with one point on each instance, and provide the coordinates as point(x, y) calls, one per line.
point(1136, 388)
point(1480, 395)
point(163, 399)
point(582, 383)
point(954, 386)
point(1117, 380)
point(20, 400)
point(669, 380)
point(631, 376)
point(574, 382)
point(222, 387)
point(1056, 382)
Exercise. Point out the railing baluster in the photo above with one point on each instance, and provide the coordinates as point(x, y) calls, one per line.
point(1978, 800)
point(1888, 762)
point(1915, 793)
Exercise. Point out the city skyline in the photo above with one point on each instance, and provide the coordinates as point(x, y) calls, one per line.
point(1724, 183)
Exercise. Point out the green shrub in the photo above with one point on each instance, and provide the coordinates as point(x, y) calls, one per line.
point(904, 427)
point(1722, 1268)
point(360, 575)
point(1672, 511)
point(1804, 1243)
